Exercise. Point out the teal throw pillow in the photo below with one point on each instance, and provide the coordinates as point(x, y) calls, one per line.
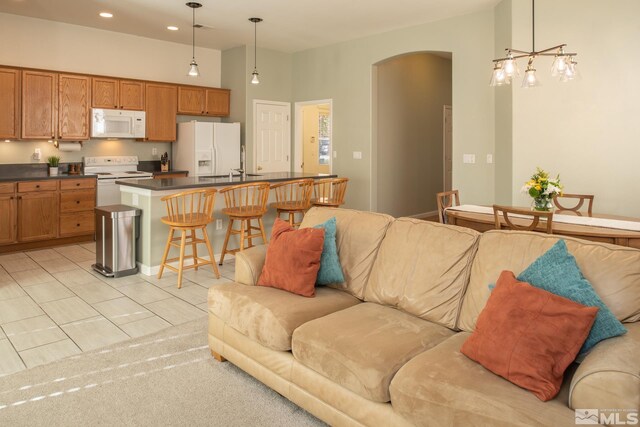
point(557, 271)
point(330, 268)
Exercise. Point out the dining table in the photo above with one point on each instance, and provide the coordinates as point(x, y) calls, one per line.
point(615, 229)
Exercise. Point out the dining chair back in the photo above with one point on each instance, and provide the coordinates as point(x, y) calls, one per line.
point(445, 200)
point(519, 215)
point(581, 199)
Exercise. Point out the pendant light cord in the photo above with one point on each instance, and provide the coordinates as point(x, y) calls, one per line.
point(533, 25)
point(255, 45)
point(193, 35)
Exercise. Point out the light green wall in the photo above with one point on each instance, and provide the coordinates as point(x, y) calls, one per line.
point(585, 130)
point(234, 66)
point(343, 72)
point(411, 91)
point(503, 158)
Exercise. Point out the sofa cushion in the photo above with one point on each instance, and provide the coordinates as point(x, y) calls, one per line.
point(269, 315)
point(293, 259)
point(613, 271)
point(443, 387)
point(361, 348)
point(358, 238)
point(556, 271)
point(423, 268)
point(529, 336)
point(330, 269)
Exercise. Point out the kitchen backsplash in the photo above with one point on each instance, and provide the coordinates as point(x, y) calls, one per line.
point(22, 151)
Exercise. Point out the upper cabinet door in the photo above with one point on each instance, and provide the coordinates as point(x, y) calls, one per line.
point(191, 100)
point(105, 92)
point(39, 104)
point(131, 95)
point(217, 102)
point(73, 109)
point(9, 103)
point(161, 106)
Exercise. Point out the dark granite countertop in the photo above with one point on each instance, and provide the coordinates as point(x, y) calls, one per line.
point(160, 173)
point(199, 182)
point(33, 172)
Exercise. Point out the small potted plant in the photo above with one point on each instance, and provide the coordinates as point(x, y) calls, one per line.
point(53, 162)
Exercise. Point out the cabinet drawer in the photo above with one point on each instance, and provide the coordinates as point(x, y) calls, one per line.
point(29, 186)
point(7, 187)
point(76, 184)
point(74, 201)
point(76, 223)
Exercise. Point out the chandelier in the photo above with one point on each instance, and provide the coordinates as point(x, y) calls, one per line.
point(506, 69)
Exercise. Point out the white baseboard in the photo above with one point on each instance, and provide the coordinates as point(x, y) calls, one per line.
point(152, 270)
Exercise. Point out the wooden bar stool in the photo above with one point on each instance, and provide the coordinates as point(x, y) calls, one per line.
point(188, 212)
point(245, 202)
point(293, 197)
point(329, 192)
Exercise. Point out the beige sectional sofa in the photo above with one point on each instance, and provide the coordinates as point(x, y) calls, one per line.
point(384, 348)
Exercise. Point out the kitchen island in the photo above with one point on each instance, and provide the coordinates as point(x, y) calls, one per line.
point(146, 195)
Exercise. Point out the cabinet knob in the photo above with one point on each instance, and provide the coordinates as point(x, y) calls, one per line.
point(77, 225)
point(38, 186)
point(77, 184)
point(78, 202)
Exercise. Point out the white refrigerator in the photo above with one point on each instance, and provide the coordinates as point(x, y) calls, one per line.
point(207, 149)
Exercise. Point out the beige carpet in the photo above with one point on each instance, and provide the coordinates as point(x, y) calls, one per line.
point(165, 379)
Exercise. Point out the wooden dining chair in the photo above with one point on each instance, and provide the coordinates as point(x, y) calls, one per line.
point(188, 212)
point(329, 192)
point(581, 199)
point(445, 200)
point(534, 216)
point(293, 197)
point(245, 203)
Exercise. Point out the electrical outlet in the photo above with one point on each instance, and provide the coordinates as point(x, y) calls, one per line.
point(357, 155)
point(489, 158)
point(36, 154)
point(218, 224)
point(154, 151)
point(469, 158)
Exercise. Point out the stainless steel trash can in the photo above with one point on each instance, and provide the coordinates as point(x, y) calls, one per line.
point(117, 232)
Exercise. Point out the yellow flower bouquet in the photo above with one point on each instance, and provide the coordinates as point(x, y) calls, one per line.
point(542, 189)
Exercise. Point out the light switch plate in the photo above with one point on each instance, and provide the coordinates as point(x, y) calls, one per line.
point(154, 151)
point(489, 158)
point(468, 158)
point(357, 155)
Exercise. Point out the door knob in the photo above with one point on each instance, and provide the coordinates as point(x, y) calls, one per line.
point(259, 168)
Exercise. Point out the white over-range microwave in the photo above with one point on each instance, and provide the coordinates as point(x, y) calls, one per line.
point(108, 123)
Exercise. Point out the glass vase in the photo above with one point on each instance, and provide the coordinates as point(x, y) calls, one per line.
point(541, 204)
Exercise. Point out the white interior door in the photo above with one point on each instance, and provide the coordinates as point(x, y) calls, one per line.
point(448, 147)
point(273, 136)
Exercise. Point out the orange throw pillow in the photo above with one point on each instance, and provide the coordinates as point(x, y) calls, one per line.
point(293, 259)
point(529, 336)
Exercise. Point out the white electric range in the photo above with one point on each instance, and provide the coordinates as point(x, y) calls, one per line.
point(108, 170)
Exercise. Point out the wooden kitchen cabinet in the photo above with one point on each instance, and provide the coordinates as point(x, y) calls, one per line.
point(74, 99)
point(8, 206)
point(200, 101)
point(218, 102)
point(39, 104)
point(37, 215)
point(161, 107)
point(117, 94)
point(77, 204)
point(131, 95)
point(10, 88)
point(191, 100)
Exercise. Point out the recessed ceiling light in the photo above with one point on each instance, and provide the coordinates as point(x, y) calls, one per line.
point(106, 14)
point(172, 28)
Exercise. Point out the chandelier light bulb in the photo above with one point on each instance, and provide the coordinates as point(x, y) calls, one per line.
point(498, 77)
point(530, 78)
point(254, 79)
point(510, 67)
point(559, 66)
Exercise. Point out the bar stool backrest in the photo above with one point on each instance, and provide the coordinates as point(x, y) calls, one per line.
point(294, 194)
point(190, 206)
point(247, 198)
point(330, 191)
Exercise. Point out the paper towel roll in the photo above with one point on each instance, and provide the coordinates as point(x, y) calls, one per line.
point(69, 146)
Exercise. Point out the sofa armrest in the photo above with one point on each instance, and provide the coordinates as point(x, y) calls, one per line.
point(249, 264)
point(609, 377)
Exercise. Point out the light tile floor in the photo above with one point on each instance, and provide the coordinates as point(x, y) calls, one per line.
point(53, 305)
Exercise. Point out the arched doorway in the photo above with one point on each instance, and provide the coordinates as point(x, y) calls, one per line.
point(412, 96)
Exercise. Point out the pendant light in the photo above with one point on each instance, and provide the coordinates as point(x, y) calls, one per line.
point(504, 69)
point(193, 66)
point(254, 78)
